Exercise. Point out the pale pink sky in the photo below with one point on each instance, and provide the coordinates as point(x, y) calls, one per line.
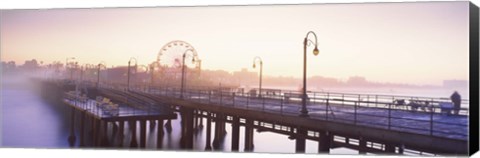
point(416, 43)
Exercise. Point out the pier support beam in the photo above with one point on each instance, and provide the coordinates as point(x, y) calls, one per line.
point(71, 138)
point(324, 142)
point(152, 124)
point(389, 148)
point(362, 146)
point(189, 117)
point(182, 128)
point(235, 133)
point(91, 134)
point(223, 123)
point(96, 129)
point(208, 145)
point(160, 134)
point(195, 123)
point(168, 126)
point(99, 133)
point(200, 120)
point(114, 128)
point(121, 133)
point(133, 127)
point(104, 134)
point(248, 135)
point(143, 133)
point(300, 140)
point(400, 149)
point(219, 130)
point(82, 129)
point(216, 134)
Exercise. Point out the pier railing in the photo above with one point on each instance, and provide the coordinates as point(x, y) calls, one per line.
point(105, 109)
point(407, 103)
point(379, 111)
point(421, 115)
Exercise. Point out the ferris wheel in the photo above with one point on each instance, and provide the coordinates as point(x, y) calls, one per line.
point(169, 58)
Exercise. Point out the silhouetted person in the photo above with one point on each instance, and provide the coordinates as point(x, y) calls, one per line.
point(456, 99)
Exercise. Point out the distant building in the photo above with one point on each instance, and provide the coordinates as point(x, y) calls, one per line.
point(117, 74)
point(30, 65)
point(8, 66)
point(357, 81)
point(245, 77)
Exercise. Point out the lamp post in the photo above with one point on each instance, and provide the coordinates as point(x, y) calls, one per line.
point(182, 88)
point(66, 61)
point(152, 70)
point(66, 66)
point(87, 71)
point(75, 67)
point(261, 67)
point(307, 42)
point(100, 65)
point(128, 71)
point(147, 69)
point(81, 73)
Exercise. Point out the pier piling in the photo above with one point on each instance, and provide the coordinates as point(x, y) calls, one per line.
point(324, 141)
point(143, 133)
point(71, 138)
point(121, 133)
point(235, 133)
point(82, 129)
point(208, 145)
point(248, 135)
point(160, 134)
point(300, 141)
point(133, 127)
point(362, 146)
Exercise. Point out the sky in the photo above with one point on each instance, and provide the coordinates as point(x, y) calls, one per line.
point(413, 43)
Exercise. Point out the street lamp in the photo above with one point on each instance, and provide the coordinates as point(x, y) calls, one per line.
point(81, 72)
point(66, 61)
point(261, 67)
point(307, 42)
point(88, 69)
point(183, 69)
point(147, 69)
point(66, 66)
point(100, 65)
point(152, 71)
point(128, 71)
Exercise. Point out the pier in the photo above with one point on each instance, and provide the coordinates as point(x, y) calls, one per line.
point(367, 123)
point(115, 109)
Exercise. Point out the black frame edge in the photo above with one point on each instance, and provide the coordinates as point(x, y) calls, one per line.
point(474, 79)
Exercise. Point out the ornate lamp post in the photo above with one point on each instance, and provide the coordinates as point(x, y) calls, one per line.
point(261, 67)
point(81, 72)
point(128, 71)
point(100, 65)
point(307, 42)
point(147, 69)
point(182, 88)
point(66, 61)
point(66, 66)
point(152, 70)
